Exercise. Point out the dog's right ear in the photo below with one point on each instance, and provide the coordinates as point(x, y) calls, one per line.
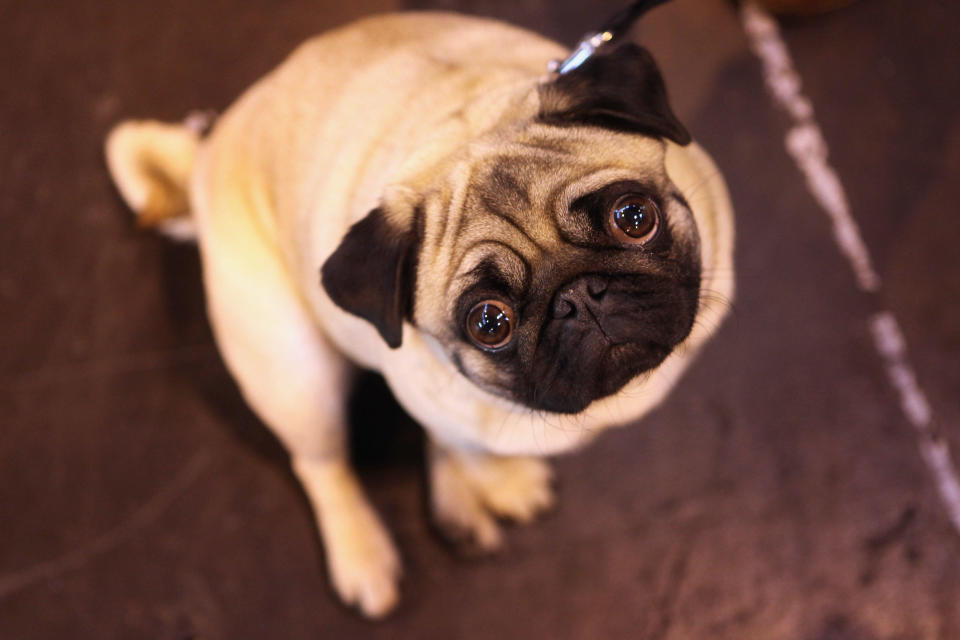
point(372, 274)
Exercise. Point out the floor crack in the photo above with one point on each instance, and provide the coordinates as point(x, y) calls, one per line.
point(148, 513)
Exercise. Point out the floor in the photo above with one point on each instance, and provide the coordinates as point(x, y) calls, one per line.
point(778, 493)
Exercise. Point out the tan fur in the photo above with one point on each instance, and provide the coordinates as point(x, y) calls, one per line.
point(386, 111)
point(151, 163)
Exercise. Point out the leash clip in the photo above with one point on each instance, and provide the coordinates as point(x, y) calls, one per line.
point(584, 49)
point(615, 26)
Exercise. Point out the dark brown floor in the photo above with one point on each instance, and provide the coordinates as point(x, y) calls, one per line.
point(777, 494)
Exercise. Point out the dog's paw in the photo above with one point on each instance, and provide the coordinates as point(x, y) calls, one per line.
point(469, 492)
point(363, 563)
point(514, 488)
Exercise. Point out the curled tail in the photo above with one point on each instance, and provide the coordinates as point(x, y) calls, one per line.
point(151, 163)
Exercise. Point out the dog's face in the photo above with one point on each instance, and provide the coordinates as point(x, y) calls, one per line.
point(560, 275)
point(553, 259)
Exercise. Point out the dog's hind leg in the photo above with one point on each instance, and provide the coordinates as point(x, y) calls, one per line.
point(296, 382)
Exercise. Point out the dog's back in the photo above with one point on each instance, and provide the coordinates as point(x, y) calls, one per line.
point(292, 121)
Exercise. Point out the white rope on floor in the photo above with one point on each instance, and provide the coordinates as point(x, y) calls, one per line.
point(806, 145)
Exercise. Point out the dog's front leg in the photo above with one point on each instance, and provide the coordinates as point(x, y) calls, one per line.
point(362, 561)
point(297, 383)
point(469, 491)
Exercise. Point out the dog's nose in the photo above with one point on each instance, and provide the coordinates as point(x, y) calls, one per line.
point(576, 299)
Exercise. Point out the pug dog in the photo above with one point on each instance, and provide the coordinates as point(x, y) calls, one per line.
point(528, 258)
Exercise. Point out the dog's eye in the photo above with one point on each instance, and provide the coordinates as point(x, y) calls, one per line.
point(634, 219)
point(490, 324)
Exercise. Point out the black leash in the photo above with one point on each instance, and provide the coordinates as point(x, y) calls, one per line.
point(612, 28)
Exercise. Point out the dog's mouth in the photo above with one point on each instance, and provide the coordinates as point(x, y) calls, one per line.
point(570, 384)
point(594, 345)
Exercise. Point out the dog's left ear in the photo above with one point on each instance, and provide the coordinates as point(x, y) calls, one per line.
point(621, 89)
point(372, 274)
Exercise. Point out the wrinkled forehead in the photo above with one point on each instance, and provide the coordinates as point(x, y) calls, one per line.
point(509, 205)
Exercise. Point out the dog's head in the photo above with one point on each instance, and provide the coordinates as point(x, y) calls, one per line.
point(552, 259)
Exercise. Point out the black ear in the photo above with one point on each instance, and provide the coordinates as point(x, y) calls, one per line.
point(621, 89)
point(372, 274)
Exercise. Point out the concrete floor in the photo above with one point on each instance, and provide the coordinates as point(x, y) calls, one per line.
point(777, 494)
